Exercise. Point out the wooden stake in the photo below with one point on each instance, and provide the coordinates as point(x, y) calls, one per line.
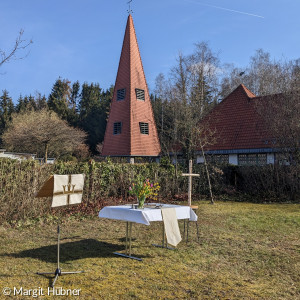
point(190, 175)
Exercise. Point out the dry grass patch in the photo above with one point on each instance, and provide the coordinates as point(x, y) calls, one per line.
point(247, 251)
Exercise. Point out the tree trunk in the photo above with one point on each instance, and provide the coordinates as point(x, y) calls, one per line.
point(208, 177)
point(46, 152)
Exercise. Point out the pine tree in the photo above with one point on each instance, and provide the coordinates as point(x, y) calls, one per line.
point(93, 110)
point(31, 103)
point(41, 102)
point(59, 99)
point(6, 110)
point(75, 95)
point(21, 105)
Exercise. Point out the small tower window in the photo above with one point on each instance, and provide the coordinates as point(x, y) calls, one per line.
point(118, 128)
point(144, 128)
point(121, 94)
point(140, 94)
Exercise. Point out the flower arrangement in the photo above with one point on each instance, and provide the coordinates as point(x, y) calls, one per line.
point(143, 188)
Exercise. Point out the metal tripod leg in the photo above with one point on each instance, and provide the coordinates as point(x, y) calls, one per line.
point(58, 271)
point(53, 283)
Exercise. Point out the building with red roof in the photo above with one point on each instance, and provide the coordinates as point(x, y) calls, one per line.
point(131, 130)
point(241, 134)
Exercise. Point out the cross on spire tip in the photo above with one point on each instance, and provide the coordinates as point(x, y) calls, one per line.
point(129, 10)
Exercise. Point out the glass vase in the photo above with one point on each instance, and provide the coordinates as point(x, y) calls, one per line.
point(141, 201)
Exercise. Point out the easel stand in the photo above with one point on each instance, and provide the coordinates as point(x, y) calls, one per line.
point(58, 271)
point(164, 243)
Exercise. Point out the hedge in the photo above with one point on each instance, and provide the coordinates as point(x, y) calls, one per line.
point(19, 182)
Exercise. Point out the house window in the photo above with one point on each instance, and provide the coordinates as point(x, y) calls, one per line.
point(144, 128)
point(121, 94)
point(117, 127)
point(284, 159)
point(217, 159)
point(140, 94)
point(252, 159)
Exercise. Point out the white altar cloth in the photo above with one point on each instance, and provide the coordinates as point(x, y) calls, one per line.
point(145, 215)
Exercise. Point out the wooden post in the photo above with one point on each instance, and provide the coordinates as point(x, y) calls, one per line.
point(190, 183)
point(190, 175)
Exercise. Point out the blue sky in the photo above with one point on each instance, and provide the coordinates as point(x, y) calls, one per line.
point(82, 39)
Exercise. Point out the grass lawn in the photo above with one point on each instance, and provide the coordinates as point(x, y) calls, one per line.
point(246, 251)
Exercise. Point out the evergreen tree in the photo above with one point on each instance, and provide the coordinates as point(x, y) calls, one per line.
point(93, 110)
point(6, 110)
point(31, 103)
point(26, 102)
point(21, 105)
point(90, 99)
point(75, 95)
point(59, 99)
point(73, 117)
point(41, 102)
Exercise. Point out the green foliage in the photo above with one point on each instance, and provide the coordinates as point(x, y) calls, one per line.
point(59, 99)
point(85, 107)
point(93, 110)
point(75, 94)
point(143, 188)
point(6, 110)
point(31, 103)
point(19, 182)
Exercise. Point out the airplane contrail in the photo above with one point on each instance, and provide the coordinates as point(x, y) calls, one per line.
point(223, 8)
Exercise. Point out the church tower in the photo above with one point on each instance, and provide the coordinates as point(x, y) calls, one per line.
point(131, 130)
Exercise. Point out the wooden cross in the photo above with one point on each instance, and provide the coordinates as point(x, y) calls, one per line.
point(190, 175)
point(129, 10)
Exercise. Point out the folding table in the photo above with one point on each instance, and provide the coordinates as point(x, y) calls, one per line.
point(151, 213)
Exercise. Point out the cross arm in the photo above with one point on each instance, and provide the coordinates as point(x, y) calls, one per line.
point(195, 175)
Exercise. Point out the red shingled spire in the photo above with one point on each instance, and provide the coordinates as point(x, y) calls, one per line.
point(131, 129)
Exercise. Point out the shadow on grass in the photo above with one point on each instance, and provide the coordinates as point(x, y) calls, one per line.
point(123, 239)
point(69, 251)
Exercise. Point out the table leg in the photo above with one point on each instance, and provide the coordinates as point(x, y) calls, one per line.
point(164, 241)
point(126, 240)
point(130, 235)
point(186, 229)
point(128, 243)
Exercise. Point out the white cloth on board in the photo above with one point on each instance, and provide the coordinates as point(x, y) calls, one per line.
point(67, 189)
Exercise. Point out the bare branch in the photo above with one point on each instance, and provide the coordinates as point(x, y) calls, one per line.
point(20, 44)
